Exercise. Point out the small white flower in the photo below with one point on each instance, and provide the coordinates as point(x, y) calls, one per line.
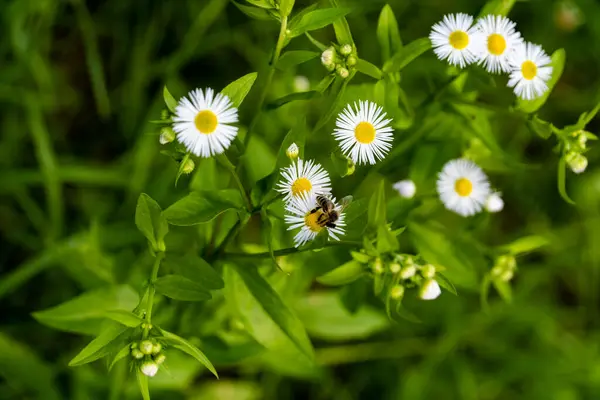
point(301, 83)
point(364, 132)
point(494, 203)
point(304, 213)
point(303, 178)
point(149, 368)
point(577, 162)
point(530, 70)
point(463, 187)
point(203, 122)
point(456, 39)
point(292, 151)
point(406, 188)
point(499, 40)
point(430, 290)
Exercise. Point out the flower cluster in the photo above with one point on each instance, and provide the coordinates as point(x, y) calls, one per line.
point(493, 42)
point(504, 268)
point(575, 146)
point(147, 353)
point(339, 59)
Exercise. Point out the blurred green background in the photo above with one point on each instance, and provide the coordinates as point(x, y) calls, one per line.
point(79, 83)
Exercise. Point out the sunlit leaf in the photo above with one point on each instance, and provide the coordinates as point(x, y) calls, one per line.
point(315, 20)
point(497, 7)
point(180, 288)
point(170, 101)
point(150, 221)
point(239, 89)
point(365, 67)
point(344, 274)
point(180, 343)
point(100, 345)
point(259, 13)
point(526, 244)
point(202, 206)
point(406, 55)
point(292, 58)
point(196, 270)
point(388, 33)
point(311, 94)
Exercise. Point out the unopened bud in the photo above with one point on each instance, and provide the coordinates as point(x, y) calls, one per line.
point(156, 348)
point(577, 162)
point(494, 203)
point(327, 57)
point(346, 49)
point(406, 188)
point(428, 271)
point(507, 275)
point(430, 290)
point(351, 167)
point(301, 83)
point(351, 61)
point(149, 368)
point(189, 166)
point(378, 266)
point(159, 359)
point(496, 271)
point(397, 292)
point(395, 268)
point(343, 72)
point(135, 353)
point(167, 135)
point(408, 272)
point(164, 114)
point(293, 151)
point(146, 346)
point(507, 261)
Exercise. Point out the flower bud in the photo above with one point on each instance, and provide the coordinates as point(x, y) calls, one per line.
point(346, 49)
point(378, 266)
point(430, 290)
point(406, 188)
point(506, 261)
point(167, 135)
point(138, 355)
point(149, 368)
point(397, 292)
point(494, 203)
point(146, 346)
point(351, 61)
point(164, 114)
point(577, 162)
point(428, 271)
point(351, 166)
point(293, 151)
point(395, 268)
point(408, 272)
point(327, 57)
point(507, 275)
point(160, 358)
point(189, 166)
point(156, 348)
point(301, 83)
point(343, 72)
point(496, 271)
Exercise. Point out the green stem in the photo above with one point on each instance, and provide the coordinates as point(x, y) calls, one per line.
point(289, 250)
point(270, 74)
point(225, 162)
point(151, 289)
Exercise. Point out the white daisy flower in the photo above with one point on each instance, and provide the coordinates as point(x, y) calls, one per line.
point(499, 40)
point(202, 122)
point(304, 178)
point(305, 213)
point(406, 188)
point(530, 70)
point(430, 290)
point(456, 39)
point(463, 187)
point(364, 132)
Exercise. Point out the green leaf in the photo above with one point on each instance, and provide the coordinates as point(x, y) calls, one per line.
point(315, 20)
point(196, 270)
point(169, 100)
point(275, 308)
point(503, 289)
point(340, 163)
point(388, 33)
point(326, 318)
point(324, 84)
point(406, 55)
point(85, 313)
point(22, 369)
point(142, 381)
point(311, 94)
point(344, 274)
point(445, 283)
point(540, 127)
point(150, 221)
point(365, 67)
point(202, 206)
point(386, 240)
point(558, 64)
point(525, 244)
point(292, 58)
point(100, 345)
point(181, 169)
point(180, 288)
point(123, 317)
point(261, 4)
point(341, 28)
point(497, 7)
point(315, 42)
point(285, 7)
point(267, 232)
point(239, 89)
point(261, 14)
point(377, 207)
point(124, 352)
point(188, 348)
point(562, 180)
point(360, 257)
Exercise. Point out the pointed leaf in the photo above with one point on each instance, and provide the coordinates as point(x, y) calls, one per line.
point(311, 94)
point(100, 345)
point(562, 180)
point(503, 289)
point(150, 221)
point(315, 20)
point(188, 348)
point(180, 288)
point(341, 28)
point(202, 206)
point(365, 67)
point(170, 101)
point(285, 7)
point(386, 240)
point(124, 352)
point(377, 207)
point(526, 244)
point(261, 14)
point(123, 317)
point(292, 58)
point(195, 269)
point(445, 283)
point(142, 381)
point(388, 33)
point(239, 89)
point(344, 274)
point(497, 7)
point(406, 55)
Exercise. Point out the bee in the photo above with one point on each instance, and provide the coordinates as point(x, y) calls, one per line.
point(329, 214)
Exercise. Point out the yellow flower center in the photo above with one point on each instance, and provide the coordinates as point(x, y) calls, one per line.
point(463, 187)
point(459, 40)
point(529, 70)
point(300, 186)
point(496, 44)
point(206, 122)
point(364, 132)
point(310, 220)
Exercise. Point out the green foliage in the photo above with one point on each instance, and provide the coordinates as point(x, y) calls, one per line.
point(316, 19)
point(202, 206)
point(151, 222)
